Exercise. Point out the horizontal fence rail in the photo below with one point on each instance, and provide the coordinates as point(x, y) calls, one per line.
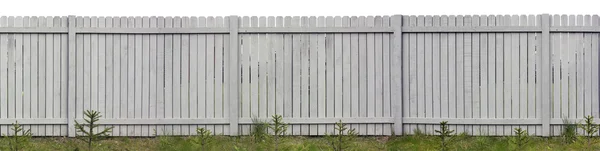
point(382, 75)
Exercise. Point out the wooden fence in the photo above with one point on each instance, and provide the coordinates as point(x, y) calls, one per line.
point(380, 74)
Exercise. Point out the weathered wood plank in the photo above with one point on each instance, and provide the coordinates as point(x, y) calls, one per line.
point(152, 73)
point(245, 62)
point(321, 83)
point(377, 109)
point(594, 65)
point(218, 70)
point(4, 73)
point(296, 74)
point(160, 77)
point(397, 112)
point(168, 75)
point(370, 75)
point(288, 72)
point(210, 73)
point(234, 77)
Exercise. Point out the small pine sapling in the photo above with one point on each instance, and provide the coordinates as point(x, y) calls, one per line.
point(259, 130)
point(279, 129)
point(445, 135)
point(87, 129)
point(20, 138)
point(569, 131)
point(203, 138)
point(590, 128)
point(338, 141)
point(521, 138)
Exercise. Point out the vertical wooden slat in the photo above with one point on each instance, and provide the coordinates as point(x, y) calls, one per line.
point(378, 75)
point(3, 75)
point(556, 64)
point(492, 75)
point(93, 61)
point(210, 73)
point(444, 72)
point(177, 96)
point(410, 110)
point(44, 47)
point(468, 73)
point(428, 79)
point(193, 73)
point(63, 76)
point(579, 71)
point(185, 76)
point(118, 85)
point(564, 44)
point(452, 80)
point(18, 61)
point(146, 101)
point(346, 69)
point(279, 69)
point(483, 65)
point(475, 77)
point(27, 71)
point(160, 75)
point(234, 67)
point(12, 98)
point(321, 67)
point(272, 46)
point(421, 76)
point(522, 69)
point(168, 67)
point(436, 94)
point(280, 79)
point(152, 74)
point(507, 74)
point(225, 76)
point(202, 71)
point(288, 56)
point(101, 65)
point(396, 56)
point(530, 90)
point(545, 62)
point(572, 43)
point(587, 74)
point(218, 74)
point(296, 75)
point(333, 46)
point(132, 109)
point(305, 52)
point(370, 75)
point(594, 66)
point(72, 76)
point(109, 54)
point(388, 104)
point(245, 62)
point(500, 74)
point(262, 69)
point(460, 74)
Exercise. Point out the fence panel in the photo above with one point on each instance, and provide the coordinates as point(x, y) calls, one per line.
point(484, 74)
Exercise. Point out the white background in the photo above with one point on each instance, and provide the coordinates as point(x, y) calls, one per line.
point(291, 8)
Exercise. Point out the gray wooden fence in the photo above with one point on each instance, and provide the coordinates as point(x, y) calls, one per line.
point(380, 74)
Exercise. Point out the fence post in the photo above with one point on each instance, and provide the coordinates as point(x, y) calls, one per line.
point(545, 78)
point(233, 75)
point(70, 77)
point(396, 73)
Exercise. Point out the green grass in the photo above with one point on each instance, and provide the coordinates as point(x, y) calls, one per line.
point(225, 143)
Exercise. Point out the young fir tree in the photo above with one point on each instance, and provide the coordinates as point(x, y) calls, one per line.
point(85, 131)
point(343, 138)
